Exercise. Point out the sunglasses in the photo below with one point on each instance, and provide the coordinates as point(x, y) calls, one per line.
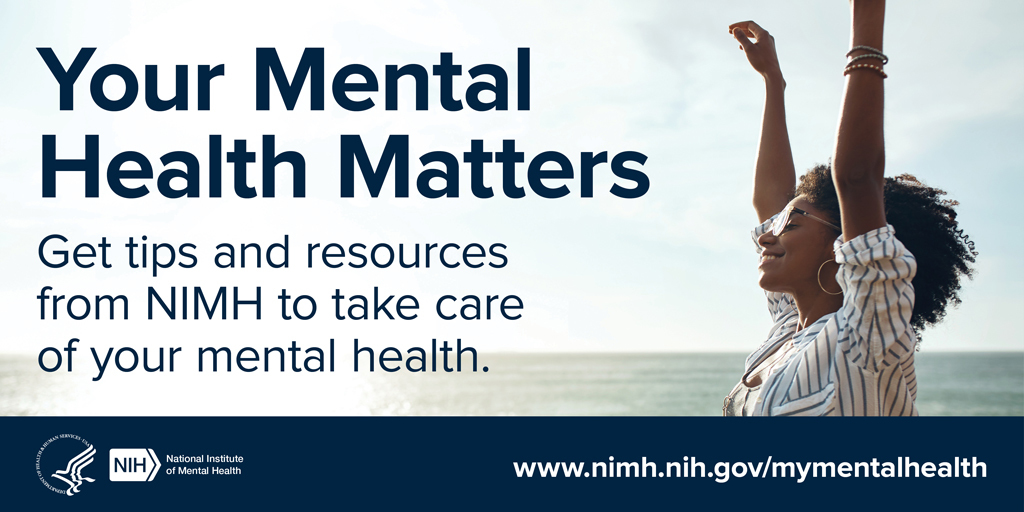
point(783, 220)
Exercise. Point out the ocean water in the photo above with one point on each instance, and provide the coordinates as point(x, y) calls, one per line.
point(959, 384)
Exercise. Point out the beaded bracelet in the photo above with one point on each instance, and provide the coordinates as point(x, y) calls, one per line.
point(852, 67)
point(878, 56)
point(885, 60)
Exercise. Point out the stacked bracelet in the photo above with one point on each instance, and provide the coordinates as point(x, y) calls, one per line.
point(873, 67)
point(872, 53)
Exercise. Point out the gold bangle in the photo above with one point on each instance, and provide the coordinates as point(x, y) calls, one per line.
point(873, 67)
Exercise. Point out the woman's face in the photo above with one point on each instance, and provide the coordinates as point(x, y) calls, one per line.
point(790, 261)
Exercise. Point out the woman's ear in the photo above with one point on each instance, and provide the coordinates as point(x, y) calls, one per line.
point(828, 249)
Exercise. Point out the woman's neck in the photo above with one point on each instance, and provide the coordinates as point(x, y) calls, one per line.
point(814, 304)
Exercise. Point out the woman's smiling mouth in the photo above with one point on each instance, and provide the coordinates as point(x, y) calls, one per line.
point(765, 258)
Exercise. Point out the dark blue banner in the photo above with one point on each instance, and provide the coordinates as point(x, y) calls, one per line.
point(483, 463)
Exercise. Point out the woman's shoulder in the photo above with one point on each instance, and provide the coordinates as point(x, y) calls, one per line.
point(878, 245)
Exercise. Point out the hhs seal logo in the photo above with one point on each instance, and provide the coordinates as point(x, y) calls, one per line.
point(61, 461)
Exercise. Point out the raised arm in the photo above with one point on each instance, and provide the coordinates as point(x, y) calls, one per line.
point(858, 165)
point(774, 174)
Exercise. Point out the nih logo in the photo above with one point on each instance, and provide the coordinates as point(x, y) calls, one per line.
point(133, 464)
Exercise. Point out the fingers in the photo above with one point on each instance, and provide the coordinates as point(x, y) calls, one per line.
point(759, 32)
point(749, 28)
point(738, 24)
point(741, 27)
point(745, 43)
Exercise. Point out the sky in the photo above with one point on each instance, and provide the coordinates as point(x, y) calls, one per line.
point(672, 271)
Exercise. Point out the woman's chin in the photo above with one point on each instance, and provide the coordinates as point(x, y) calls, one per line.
point(767, 283)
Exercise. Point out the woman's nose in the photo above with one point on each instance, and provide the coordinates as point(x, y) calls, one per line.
point(767, 239)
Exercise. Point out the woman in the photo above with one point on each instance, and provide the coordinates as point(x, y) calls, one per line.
point(847, 296)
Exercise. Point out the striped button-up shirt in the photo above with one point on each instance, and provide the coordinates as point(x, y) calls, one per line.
point(858, 361)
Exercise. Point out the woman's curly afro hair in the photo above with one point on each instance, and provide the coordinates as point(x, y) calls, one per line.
point(926, 224)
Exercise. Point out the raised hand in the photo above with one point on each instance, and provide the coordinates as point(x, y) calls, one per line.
point(761, 51)
point(858, 164)
point(774, 173)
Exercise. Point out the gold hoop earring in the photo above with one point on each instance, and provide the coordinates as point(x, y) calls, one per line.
point(840, 292)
